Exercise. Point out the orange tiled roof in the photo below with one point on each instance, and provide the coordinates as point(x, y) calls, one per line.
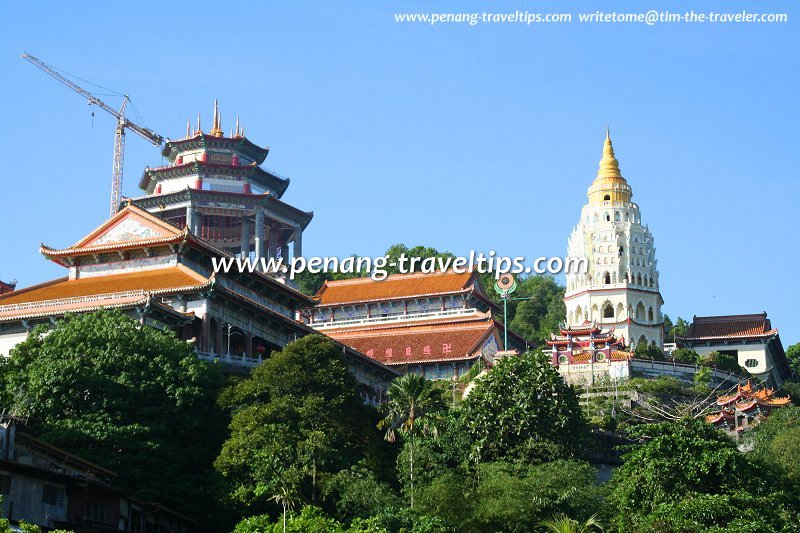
point(394, 287)
point(420, 343)
point(732, 326)
point(156, 280)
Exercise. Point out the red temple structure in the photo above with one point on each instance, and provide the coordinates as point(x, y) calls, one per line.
point(588, 352)
point(7, 287)
point(745, 408)
point(437, 325)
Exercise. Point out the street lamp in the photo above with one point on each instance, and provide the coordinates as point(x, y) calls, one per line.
point(229, 327)
point(504, 286)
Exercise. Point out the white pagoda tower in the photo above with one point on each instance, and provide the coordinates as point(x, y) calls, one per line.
point(620, 287)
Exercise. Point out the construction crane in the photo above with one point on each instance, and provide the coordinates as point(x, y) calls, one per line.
point(119, 136)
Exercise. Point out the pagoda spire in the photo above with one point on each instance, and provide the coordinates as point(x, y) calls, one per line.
point(199, 129)
point(188, 127)
point(609, 166)
point(216, 127)
point(237, 126)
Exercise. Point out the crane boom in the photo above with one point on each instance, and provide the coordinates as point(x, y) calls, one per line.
point(122, 123)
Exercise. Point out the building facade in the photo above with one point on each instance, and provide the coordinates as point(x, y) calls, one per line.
point(620, 287)
point(750, 339)
point(153, 260)
point(437, 325)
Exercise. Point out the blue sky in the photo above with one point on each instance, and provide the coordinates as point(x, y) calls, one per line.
point(453, 136)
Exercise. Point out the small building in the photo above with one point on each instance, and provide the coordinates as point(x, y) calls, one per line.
point(589, 353)
point(46, 486)
point(746, 407)
point(437, 325)
point(750, 339)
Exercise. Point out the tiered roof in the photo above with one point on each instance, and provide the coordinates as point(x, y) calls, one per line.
point(722, 328)
point(267, 179)
point(432, 341)
point(400, 287)
point(745, 400)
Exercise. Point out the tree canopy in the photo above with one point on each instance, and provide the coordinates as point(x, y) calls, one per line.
point(128, 397)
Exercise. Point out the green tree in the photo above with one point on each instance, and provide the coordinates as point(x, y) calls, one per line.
point(522, 409)
point(686, 356)
point(310, 519)
point(411, 412)
point(504, 496)
point(793, 356)
point(359, 494)
point(676, 461)
point(777, 441)
point(721, 361)
point(129, 397)
point(298, 415)
point(561, 523)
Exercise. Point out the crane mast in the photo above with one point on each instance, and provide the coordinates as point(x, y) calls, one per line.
point(119, 135)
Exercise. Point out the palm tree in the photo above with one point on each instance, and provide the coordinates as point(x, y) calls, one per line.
point(286, 496)
point(561, 523)
point(411, 412)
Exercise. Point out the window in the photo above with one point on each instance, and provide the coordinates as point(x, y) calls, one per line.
point(751, 363)
point(607, 197)
point(608, 311)
point(600, 357)
point(563, 359)
point(607, 278)
point(95, 512)
point(52, 495)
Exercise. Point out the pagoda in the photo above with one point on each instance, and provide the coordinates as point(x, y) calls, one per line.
point(586, 352)
point(746, 407)
point(620, 287)
point(215, 185)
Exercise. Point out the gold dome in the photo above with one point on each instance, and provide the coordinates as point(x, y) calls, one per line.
point(609, 185)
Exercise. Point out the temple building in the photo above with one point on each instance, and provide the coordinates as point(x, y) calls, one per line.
point(620, 287)
point(589, 353)
point(750, 339)
point(215, 185)
point(437, 325)
point(157, 268)
point(746, 407)
point(7, 287)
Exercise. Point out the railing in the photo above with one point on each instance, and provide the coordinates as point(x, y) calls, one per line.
point(667, 367)
point(398, 317)
point(72, 300)
point(238, 360)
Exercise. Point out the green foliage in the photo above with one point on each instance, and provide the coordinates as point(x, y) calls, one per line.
point(672, 331)
point(522, 409)
point(412, 411)
point(561, 523)
point(686, 356)
point(298, 416)
point(126, 396)
point(793, 356)
point(661, 385)
point(721, 361)
point(777, 442)
point(310, 519)
point(677, 461)
point(702, 377)
point(400, 520)
point(511, 497)
point(359, 494)
point(648, 351)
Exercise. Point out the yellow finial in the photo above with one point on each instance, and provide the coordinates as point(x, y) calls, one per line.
point(216, 126)
point(609, 166)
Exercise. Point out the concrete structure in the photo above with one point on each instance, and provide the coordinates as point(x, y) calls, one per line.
point(437, 325)
point(620, 287)
point(751, 339)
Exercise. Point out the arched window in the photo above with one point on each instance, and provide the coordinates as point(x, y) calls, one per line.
point(607, 197)
point(626, 277)
point(651, 282)
point(578, 315)
point(608, 311)
point(607, 278)
point(620, 311)
point(595, 218)
point(639, 311)
point(616, 216)
point(650, 315)
point(627, 218)
point(638, 279)
point(621, 251)
point(608, 217)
